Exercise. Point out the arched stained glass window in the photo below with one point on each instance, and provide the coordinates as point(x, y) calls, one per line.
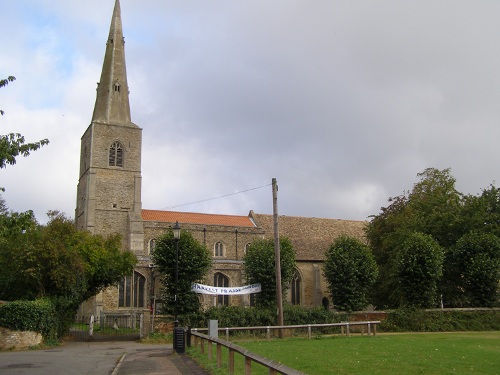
point(132, 291)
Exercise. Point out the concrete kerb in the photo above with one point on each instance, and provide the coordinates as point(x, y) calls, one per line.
point(115, 370)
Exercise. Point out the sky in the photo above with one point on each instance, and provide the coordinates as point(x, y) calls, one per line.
point(344, 102)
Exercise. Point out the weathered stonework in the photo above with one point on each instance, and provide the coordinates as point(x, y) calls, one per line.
point(18, 339)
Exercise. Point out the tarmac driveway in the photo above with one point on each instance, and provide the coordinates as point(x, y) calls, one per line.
point(77, 358)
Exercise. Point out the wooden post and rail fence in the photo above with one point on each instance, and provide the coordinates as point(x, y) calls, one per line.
point(205, 343)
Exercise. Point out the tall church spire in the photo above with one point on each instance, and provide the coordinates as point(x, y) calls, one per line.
point(112, 102)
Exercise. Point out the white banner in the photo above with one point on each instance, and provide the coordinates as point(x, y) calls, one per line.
point(207, 289)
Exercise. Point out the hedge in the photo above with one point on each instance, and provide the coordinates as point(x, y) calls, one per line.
point(38, 316)
point(415, 320)
point(402, 320)
point(237, 316)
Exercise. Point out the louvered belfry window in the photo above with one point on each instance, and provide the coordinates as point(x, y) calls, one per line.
point(116, 155)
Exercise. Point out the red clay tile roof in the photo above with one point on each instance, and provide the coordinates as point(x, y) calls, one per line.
point(197, 218)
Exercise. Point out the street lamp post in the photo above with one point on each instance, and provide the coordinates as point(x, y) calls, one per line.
point(177, 236)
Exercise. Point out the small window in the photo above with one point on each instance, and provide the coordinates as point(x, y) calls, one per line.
point(223, 282)
point(219, 249)
point(247, 246)
point(117, 87)
point(116, 155)
point(152, 245)
point(296, 281)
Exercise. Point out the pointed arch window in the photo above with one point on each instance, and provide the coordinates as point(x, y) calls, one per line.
point(219, 249)
point(295, 287)
point(131, 291)
point(152, 245)
point(223, 282)
point(247, 246)
point(116, 155)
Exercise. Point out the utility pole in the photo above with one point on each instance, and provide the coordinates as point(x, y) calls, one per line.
point(279, 299)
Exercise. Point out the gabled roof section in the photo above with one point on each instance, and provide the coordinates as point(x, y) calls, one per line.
point(112, 102)
point(310, 236)
point(197, 218)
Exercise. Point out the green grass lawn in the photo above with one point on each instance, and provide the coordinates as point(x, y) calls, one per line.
point(424, 353)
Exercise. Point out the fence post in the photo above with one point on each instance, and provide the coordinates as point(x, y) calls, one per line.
point(91, 328)
point(309, 331)
point(227, 334)
point(248, 366)
point(347, 329)
point(268, 331)
point(219, 355)
point(369, 329)
point(230, 362)
point(196, 342)
point(209, 343)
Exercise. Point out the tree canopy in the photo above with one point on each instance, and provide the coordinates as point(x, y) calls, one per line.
point(194, 262)
point(350, 271)
point(56, 260)
point(260, 267)
point(13, 145)
point(419, 270)
point(433, 209)
point(475, 269)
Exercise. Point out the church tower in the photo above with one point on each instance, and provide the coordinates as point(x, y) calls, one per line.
point(109, 186)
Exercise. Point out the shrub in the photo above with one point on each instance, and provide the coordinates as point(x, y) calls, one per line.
point(38, 316)
point(417, 320)
point(237, 316)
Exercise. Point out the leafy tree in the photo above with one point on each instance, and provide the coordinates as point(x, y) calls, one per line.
point(475, 269)
point(481, 213)
point(260, 267)
point(5, 82)
point(3, 207)
point(350, 271)
point(419, 269)
point(433, 207)
point(194, 262)
point(57, 260)
point(13, 144)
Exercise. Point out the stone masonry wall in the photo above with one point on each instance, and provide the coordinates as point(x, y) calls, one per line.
point(18, 339)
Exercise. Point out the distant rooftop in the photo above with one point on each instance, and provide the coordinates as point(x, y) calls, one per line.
point(197, 218)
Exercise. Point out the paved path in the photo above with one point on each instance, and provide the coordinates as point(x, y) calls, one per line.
point(99, 358)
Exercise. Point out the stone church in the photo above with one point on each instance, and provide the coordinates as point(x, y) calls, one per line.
point(109, 201)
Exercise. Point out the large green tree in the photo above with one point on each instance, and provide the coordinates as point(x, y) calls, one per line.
point(350, 271)
point(474, 270)
point(419, 270)
point(481, 213)
point(260, 267)
point(432, 207)
point(194, 262)
point(13, 144)
point(56, 260)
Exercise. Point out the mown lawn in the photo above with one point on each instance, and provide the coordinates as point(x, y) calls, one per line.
point(424, 353)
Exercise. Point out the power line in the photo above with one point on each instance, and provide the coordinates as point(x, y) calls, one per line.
point(219, 197)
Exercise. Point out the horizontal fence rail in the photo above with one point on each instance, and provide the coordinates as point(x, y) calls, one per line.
point(371, 328)
point(274, 367)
